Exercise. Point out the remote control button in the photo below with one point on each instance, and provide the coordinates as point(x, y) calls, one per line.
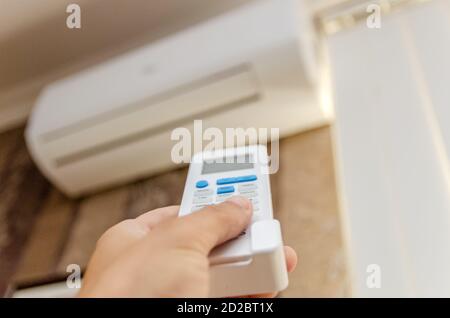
point(201, 184)
point(249, 194)
point(229, 189)
point(247, 187)
point(222, 197)
point(236, 179)
point(203, 192)
point(203, 200)
point(198, 207)
point(226, 181)
point(247, 178)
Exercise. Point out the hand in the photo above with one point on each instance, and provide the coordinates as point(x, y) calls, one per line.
point(161, 255)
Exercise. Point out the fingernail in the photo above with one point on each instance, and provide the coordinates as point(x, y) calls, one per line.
point(241, 201)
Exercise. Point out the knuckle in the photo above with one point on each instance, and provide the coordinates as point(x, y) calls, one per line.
point(229, 206)
point(212, 208)
point(114, 230)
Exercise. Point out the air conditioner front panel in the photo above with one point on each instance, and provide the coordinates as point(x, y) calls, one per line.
point(112, 123)
point(155, 113)
point(210, 47)
point(152, 154)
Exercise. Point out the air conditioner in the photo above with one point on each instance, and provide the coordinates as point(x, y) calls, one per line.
point(251, 67)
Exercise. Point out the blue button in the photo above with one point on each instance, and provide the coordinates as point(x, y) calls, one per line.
point(236, 179)
point(223, 190)
point(201, 184)
point(226, 181)
point(247, 178)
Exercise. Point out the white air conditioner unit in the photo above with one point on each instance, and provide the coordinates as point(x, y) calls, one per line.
point(251, 67)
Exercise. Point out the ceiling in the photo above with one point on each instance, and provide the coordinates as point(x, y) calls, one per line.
point(18, 15)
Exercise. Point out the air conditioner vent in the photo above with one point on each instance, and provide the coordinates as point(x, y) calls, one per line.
point(199, 99)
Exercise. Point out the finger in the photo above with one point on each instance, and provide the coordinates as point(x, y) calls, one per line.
point(134, 229)
point(114, 242)
point(151, 219)
point(124, 234)
point(291, 258)
point(212, 225)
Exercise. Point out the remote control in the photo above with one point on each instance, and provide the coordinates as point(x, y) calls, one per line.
point(253, 262)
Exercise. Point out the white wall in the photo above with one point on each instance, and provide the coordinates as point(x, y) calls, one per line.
point(392, 149)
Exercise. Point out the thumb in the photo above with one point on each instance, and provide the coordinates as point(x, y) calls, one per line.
point(205, 229)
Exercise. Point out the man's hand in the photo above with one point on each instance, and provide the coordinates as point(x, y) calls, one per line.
point(161, 255)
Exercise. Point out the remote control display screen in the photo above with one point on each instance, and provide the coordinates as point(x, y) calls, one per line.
point(227, 164)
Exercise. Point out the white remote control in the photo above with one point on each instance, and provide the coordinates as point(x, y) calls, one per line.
point(254, 262)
